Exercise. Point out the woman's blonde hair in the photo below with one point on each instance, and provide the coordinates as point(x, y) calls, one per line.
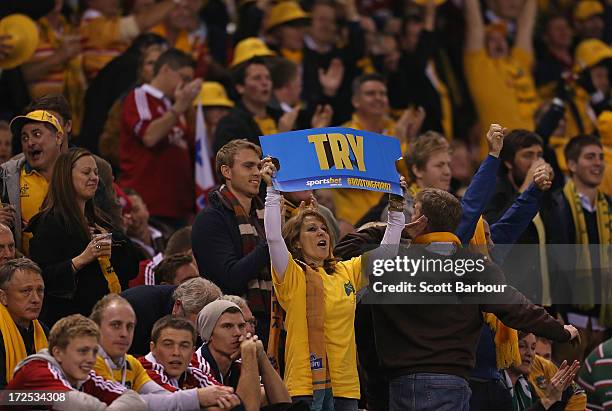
point(291, 234)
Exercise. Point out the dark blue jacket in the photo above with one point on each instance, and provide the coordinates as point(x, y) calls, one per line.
point(217, 248)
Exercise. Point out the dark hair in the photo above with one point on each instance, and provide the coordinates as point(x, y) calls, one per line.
point(516, 140)
point(574, 147)
point(225, 155)
point(61, 198)
point(10, 267)
point(239, 72)
point(52, 102)
point(442, 209)
point(174, 58)
point(179, 242)
point(282, 72)
point(176, 323)
point(364, 78)
point(165, 271)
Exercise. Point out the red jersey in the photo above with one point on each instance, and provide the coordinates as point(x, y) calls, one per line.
point(163, 174)
point(194, 377)
point(38, 373)
point(146, 273)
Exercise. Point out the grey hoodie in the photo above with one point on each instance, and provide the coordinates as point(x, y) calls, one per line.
point(77, 400)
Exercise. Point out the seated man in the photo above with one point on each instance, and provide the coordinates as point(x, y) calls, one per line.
point(179, 243)
point(67, 366)
point(175, 270)
point(171, 362)
point(21, 295)
point(222, 327)
point(150, 303)
point(116, 320)
point(7, 243)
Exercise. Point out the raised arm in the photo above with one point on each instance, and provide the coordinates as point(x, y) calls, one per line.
point(279, 254)
point(474, 35)
point(526, 24)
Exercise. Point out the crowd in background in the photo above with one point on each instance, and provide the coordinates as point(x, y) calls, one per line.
point(143, 249)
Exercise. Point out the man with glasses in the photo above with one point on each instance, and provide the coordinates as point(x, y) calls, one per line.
point(155, 142)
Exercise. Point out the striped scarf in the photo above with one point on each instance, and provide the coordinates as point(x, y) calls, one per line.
point(522, 397)
point(585, 293)
point(251, 227)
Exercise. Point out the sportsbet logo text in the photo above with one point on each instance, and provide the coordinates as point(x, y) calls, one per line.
point(334, 149)
point(331, 181)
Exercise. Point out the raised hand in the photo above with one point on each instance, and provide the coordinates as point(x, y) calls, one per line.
point(331, 79)
point(495, 139)
point(268, 170)
point(409, 124)
point(185, 94)
point(322, 116)
point(287, 120)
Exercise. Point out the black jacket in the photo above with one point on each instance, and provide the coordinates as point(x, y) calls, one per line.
point(239, 123)
point(53, 247)
point(150, 303)
point(217, 248)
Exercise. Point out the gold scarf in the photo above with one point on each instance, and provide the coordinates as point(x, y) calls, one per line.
point(315, 319)
point(109, 274)
point(584, 289)
point(438, 237)
point(74, 78)
point(14, 346)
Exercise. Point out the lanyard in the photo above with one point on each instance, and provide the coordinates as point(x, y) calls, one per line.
point(109, 363)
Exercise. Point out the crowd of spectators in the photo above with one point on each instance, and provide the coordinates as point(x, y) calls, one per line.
point(148, 262)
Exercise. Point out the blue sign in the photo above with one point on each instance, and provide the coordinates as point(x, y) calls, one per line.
point(334, 157)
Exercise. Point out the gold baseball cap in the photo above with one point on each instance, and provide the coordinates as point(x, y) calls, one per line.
point(23, 37)
point(41, 116)
point(213, 94)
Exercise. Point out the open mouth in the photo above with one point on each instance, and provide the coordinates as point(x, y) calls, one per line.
point(35, 154)
point(322, 243)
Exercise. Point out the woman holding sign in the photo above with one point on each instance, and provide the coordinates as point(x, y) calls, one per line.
point(318, 296)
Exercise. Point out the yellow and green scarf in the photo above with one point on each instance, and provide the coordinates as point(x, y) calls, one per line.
point(584, 290)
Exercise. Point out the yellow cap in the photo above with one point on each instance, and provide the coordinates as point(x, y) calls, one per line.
point(604, 125)
point(285, 12)
point(587, 8)
point(42, 116)
point(213, 94)
point(591, 52)
point(24, 39)
point(249, 48)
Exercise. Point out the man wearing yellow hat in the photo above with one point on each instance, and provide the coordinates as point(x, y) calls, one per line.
point(252, 117)
point(215, 104)
point(286, 26)
point(588, 19)
point(593, 62)
point(26, 179)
